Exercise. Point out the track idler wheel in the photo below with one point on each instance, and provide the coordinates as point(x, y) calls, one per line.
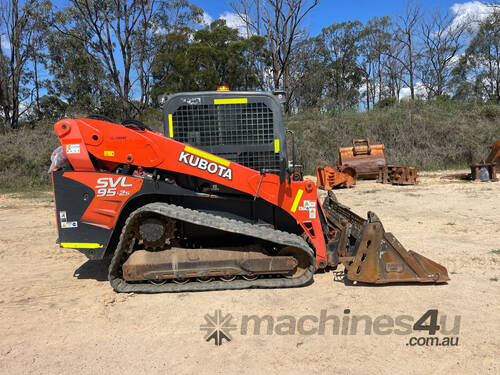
point(300, 256)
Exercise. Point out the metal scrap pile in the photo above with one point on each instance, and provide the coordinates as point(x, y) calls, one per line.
point(397, 175)
point(367, 161)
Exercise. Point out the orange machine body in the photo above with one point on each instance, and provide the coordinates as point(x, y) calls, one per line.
point(113, 145)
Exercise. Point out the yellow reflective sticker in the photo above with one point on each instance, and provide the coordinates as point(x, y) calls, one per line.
point(170, 126)
point(231, 101)
point(81, 245)
point(276, 146)
point(207, 156)
point(109, 153)
point(296, 201)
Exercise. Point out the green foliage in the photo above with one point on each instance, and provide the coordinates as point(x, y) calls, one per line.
point(308, 77)
point(443, 98)
point(80, 76)
point(341, 44)
point(477, 75)
point(171, 69)
point(24, 25)
point(217, 55)
point(51, 108)
point(153, 117)
point(328, 72)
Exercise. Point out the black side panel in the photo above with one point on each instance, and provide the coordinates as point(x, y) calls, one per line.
point(72, 199)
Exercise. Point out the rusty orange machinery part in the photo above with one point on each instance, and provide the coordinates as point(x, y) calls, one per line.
point(329, 178)
point(398, 175)
point(494, 155)
point(364, 157)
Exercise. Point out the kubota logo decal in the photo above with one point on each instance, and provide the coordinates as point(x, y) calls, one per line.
point(206, 162)
point(108, 187)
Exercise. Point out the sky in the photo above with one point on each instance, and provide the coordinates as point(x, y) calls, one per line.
point(335, 11)
point(332, 11)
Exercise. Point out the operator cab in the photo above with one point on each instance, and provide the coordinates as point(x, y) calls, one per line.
point(243, 127)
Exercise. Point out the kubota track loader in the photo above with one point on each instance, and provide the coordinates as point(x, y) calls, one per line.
point(211, 204)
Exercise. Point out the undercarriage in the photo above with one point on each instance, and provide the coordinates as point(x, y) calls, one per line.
point(261, 257)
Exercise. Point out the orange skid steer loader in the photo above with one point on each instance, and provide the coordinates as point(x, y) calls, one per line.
point(211, 204)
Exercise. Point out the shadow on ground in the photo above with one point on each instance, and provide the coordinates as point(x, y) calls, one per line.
point(93, 269)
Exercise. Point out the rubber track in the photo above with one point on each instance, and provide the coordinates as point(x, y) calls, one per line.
point(212, 221)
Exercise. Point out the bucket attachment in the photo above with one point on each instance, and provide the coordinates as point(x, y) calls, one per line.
point(372, 255)
point(364, 157)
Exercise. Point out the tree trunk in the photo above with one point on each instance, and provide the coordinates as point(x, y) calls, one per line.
point(367, 94)
point(37, 84)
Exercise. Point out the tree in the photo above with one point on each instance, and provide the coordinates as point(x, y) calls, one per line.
point(309, 71)
point(79, 77)
point(393, 69)
point(172, 70)
point(172, 25)
point(341, 48)
point(216, 55)
point(280, 21)
point(442, 40)
point(111, 27)
point(123, 35)
point(406, 51)
point(283, 19)
point(250, 12)
point(375, 44)
point(23, 29)
point(477, 75)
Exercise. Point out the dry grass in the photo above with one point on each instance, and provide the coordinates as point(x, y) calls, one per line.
point(426, 135)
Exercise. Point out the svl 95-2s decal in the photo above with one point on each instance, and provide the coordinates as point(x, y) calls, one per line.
point(108, 187)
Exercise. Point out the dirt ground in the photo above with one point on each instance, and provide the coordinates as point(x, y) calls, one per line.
point(59, 314)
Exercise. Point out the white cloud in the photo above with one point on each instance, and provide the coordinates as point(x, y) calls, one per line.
point(235, 21)
point(471, 13)
point(4, 42)
point(455, 60)
point(406, 93)
point(232, 20)
point(207, 19)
